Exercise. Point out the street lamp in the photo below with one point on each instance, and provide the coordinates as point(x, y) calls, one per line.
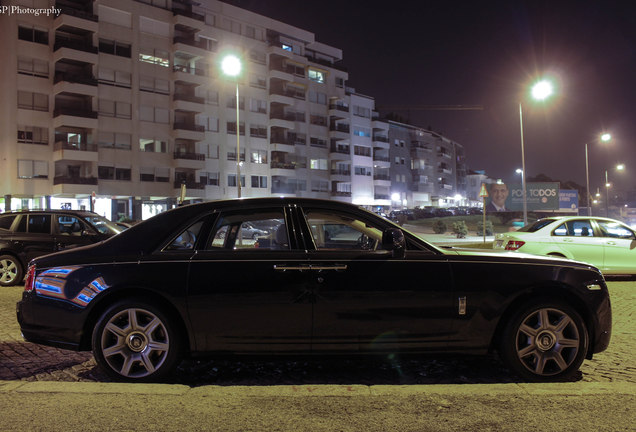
point(541, 90)
point(604, 138)
point(231, 66)
point(619, 167)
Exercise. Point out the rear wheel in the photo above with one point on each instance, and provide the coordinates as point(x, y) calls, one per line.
point(135, 341)
point(11, 272)
point(545, 340)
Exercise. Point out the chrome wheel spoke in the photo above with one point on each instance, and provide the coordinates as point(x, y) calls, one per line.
point(568, 343)
point(540, 364)
point(147, 362)
point(525, 352)
point(526, 329)
point(115, 330)
point(563, 324)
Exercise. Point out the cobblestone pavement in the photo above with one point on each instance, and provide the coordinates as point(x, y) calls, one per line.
point(20, 360)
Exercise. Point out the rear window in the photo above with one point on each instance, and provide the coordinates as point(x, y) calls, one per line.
point(537, 225)
point(6, 221)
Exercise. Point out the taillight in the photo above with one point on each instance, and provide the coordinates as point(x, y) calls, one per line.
point(30, 279)
point(514, 244)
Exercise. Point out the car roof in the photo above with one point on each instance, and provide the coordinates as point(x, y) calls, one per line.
point(53, 211)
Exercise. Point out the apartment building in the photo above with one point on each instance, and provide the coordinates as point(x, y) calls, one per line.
point(117, 104)
point(427, 169)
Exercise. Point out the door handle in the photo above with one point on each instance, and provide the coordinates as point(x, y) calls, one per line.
point(302, 267)
point(611, 242)
point(567, 240)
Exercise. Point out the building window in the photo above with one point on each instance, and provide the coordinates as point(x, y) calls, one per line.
point(318, 164)
point(361, 111)
point(106, 172)
point(33, 135)
point(121, 141)
point(154, 56)
point(318, 120)
point(258, 81)
point(28, 169)
point(208, 178)
point(154, 85)
point(114, 78)
point(231, 128)
point(319, 186)
point(340, 82)
point(120, 49)
point(361, 131)
point(147, 174)
point(154, 114)
point(153, 145)
point(231, 155)
point(258, 106)
point(209, 123)
point(258, 131)
point(258, 156)
point(211, 97)
point(33, 101)
point(231, 180)
point(362, 151)
point(316, 75)
point(318, 142)
point(259, 181)
point(362, 171)
point(33, 67)
point(32, 34)
point(114, 109)
point(123, 174)
point(258, 57)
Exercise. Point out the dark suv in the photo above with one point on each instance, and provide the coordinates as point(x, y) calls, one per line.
point(25, 235)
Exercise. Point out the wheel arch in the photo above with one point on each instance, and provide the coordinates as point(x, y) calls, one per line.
point(554, 292)
point(146, 295)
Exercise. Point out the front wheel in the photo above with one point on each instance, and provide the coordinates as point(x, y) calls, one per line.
point(546, 340)
point(135, 341)
point(11, 272)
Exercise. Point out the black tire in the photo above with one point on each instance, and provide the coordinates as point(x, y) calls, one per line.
point(11, 271)
point(545, 341)
point(135, 341)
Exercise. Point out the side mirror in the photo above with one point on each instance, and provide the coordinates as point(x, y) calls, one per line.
point(393, 240)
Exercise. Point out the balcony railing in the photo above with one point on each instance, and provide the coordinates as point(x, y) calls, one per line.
point(65, 145)
point(190, 70)
point(382, 177)
point(191, 42)
point(340, 149)
point(338, 107)
point(188, 98)
point(339, 128)
point(283, 165)
point(68, 10)
point(380, 138)
point(342, 172)
point(381, 196)
point(75, 180)
point(75, 112)
point(189, 14)
point(188, 184)
point(76, 45)
point(189, 126)
point(188, 155)
point(340, 193)
point(74, 78)
point(381, 158)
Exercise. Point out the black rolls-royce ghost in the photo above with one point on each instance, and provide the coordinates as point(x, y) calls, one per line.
point(327, 278)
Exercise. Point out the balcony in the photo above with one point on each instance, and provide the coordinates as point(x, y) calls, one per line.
point(65, 145)
point(341, 172)
point(283, 165)
point(75, 45)
point(188, 156)
point(189, 127)
point(75, 180)
point(346, 150)
point(188, 184)
point(188, 98)
point(339, 128)
point(189, 14)
point(381, 196)
point(382, 177)
point(74, 112)
point(77, 13)
point(74, 78)
point(340, 194)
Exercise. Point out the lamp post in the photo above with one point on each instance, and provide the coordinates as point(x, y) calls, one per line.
point(231, 66)
point(619, 167)
point(604, 138)
point(541, 90)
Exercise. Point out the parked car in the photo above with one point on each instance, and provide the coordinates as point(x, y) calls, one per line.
point(249, 231)
point(332, 278)
point(605, 243)
point(25, 235)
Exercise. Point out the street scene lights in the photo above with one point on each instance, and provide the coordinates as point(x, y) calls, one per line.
point(605, 137)
point(541, 90)
point(231, 66)
point(619, 167)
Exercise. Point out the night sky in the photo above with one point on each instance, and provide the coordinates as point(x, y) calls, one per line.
point(420, 55)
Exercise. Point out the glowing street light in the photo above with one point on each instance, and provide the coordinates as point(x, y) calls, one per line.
point(605, 137)
point(231, 66)
point(541, 90)
point(619, 167)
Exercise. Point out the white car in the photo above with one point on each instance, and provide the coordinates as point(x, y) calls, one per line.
point(605, 243)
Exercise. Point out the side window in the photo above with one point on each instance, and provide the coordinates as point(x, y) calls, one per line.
point(340, 231)
point(7, 221)
point(69, 225)
point(574, 228)
point(615, 230)
point(40, 224)
point(255, 230)
point(187, 238)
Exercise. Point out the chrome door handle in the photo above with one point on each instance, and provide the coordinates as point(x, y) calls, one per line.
point(613, 243)
point(337, 267)
point(297, 267)
point(302, 267)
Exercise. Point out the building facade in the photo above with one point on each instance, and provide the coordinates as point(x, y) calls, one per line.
point(427, 169)
point(115, 104)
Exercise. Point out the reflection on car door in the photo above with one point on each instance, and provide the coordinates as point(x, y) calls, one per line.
point(368, 301)
point(70, 231)
point(581, 240)
point(619, 244)
point(245, 295)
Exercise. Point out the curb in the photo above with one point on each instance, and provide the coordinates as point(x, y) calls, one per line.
point(323, 390)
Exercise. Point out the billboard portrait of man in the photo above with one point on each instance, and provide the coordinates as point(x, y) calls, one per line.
point(498, 194)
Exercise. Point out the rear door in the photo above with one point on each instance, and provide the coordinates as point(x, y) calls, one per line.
point(250, 295)
point(71, 231)
point(582, 242)
point(33, 236)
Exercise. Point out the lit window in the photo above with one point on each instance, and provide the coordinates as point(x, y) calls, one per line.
point(316, 75)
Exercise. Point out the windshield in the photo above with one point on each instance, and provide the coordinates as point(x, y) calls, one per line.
point(103, 225)
point(536, 226)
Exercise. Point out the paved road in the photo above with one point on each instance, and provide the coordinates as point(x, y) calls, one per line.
point(24, 361)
